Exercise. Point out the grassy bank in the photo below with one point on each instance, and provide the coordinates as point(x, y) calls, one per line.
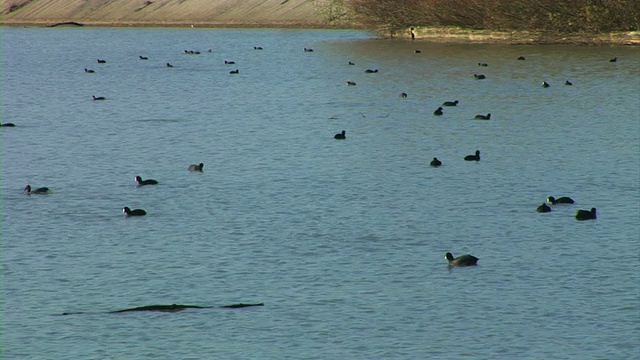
point(540, 16)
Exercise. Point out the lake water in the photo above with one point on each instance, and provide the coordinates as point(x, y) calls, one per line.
point(343, 241)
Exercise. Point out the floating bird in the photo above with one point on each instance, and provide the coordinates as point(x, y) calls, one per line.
point(308, 50)
point(169, 65)
point(134, 212)
point(101, 61)
point(435, 162)
point(483, 117)
point(236, 71)
point(8, 125)
point(475, 157)
point(99, 98)
point(229, 62)
point(586, 214)
point(479, 76)
point(568, 82)
point(89, 71)
point(403, 94)
point(340, 136)
point(438, 111)
point(38, 191)
point(351, 83)
point(257, 48)
point(545, 84)
point(417, 51)
point(370, 71)
point(143, 57)
point(145, 182)
point(351, 63)
point(614, 59)
point(543, 208)
point(521, 58)
point(198, 167)
point(561, 200)
point(450, 103)
point(483, 64)
point(462, 260)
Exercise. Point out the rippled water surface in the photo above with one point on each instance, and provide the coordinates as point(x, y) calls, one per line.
point(343, 241)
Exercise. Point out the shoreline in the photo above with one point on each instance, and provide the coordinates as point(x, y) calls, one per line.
point(422, 34)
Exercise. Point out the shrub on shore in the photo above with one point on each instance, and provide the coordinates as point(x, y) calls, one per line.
point(561, 16)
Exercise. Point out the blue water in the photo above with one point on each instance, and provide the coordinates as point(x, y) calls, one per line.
point(343, 241)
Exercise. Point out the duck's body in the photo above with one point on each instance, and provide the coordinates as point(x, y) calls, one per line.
point(435, 162)
point(561, 200)
point(134, 212)
point(370, 71)
point(98, 98)
point(145, 182)
point(340, 136)
point(543, 208)
point(614, 59)
point(479, 76)
point(38, 191)
point(483, 117)
point(169, 65)
point(351, 83)
point(438, 111)
point(143, 57)
point(586, 214)
point(462, 260)
point(351, 63)
point(520, 57)
point(475, 157)
point(450, 103)
point(90, 71)
point(568, 83)
point(403, 95)
point(198, 167)
point(100, 61)
point(308, 50)
point(229, 62)
point(236, 71)
point(8, 124)
point(483, 64)
point(545, 84)
point(257, 48)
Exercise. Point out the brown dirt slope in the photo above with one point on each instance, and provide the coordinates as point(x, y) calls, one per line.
point(162, 12)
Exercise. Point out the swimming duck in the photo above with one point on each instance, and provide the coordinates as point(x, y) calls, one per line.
point(38, 191)
point(483, 117)
point(521, 58)
point(257, 48)
point(236, 71)
point(198, 167)
point(89, 71)
point(308, 50)
point(614, 59)
point(340, 136)
point(370, 71)
point(438, 111)
point(99, 98)
point(8, 124)
point(462, 260)
point(483, 64)
point(543, 208)
point(229, 62)
point(134, 212)
point(145, 182)
point(351, 83)
point(435, 162)
point(100, 61)
point(450, 103)
point(479, 76)
point(545, 84)
point(568, 82)
point(586, 214)
point(169, 65)
point(351, 63)
point(143, 57)
point(561, 200)
point(403, 95)
point(475, 157)
point(417, 51)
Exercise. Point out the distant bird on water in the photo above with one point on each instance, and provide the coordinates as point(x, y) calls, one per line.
point(475, 157)
point(7, 124)
point(545, 84)
point(370, 71)
point(143, 57)
point(450, 103)
point(38, 191)
point(435, 162)
point(308, 50)
point(403, 95)
point(521, 58)
point(100, 61)
point(145, 182)
point(483, 64)
point(568, 82)
point(236, 71)
point(351, 83)
point(462, 260)
point(198, 167)
point(98, 98)
point(586, 214)
point(169, 65)
point(483, 117)
point(134, 212)
point(351, 63)
point(89, 71)
point(543, 208)
point(561, 200)
point(438, 111)
point(614, 59)
point(340, 136)
point(479, 76)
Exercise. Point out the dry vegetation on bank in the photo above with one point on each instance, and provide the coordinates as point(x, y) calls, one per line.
point(559, 16)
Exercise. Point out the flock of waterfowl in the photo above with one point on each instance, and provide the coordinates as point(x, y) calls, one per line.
point(463, 260)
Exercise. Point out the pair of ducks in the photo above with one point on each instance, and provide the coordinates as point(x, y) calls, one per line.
point(436, 163)
point(581, 215)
